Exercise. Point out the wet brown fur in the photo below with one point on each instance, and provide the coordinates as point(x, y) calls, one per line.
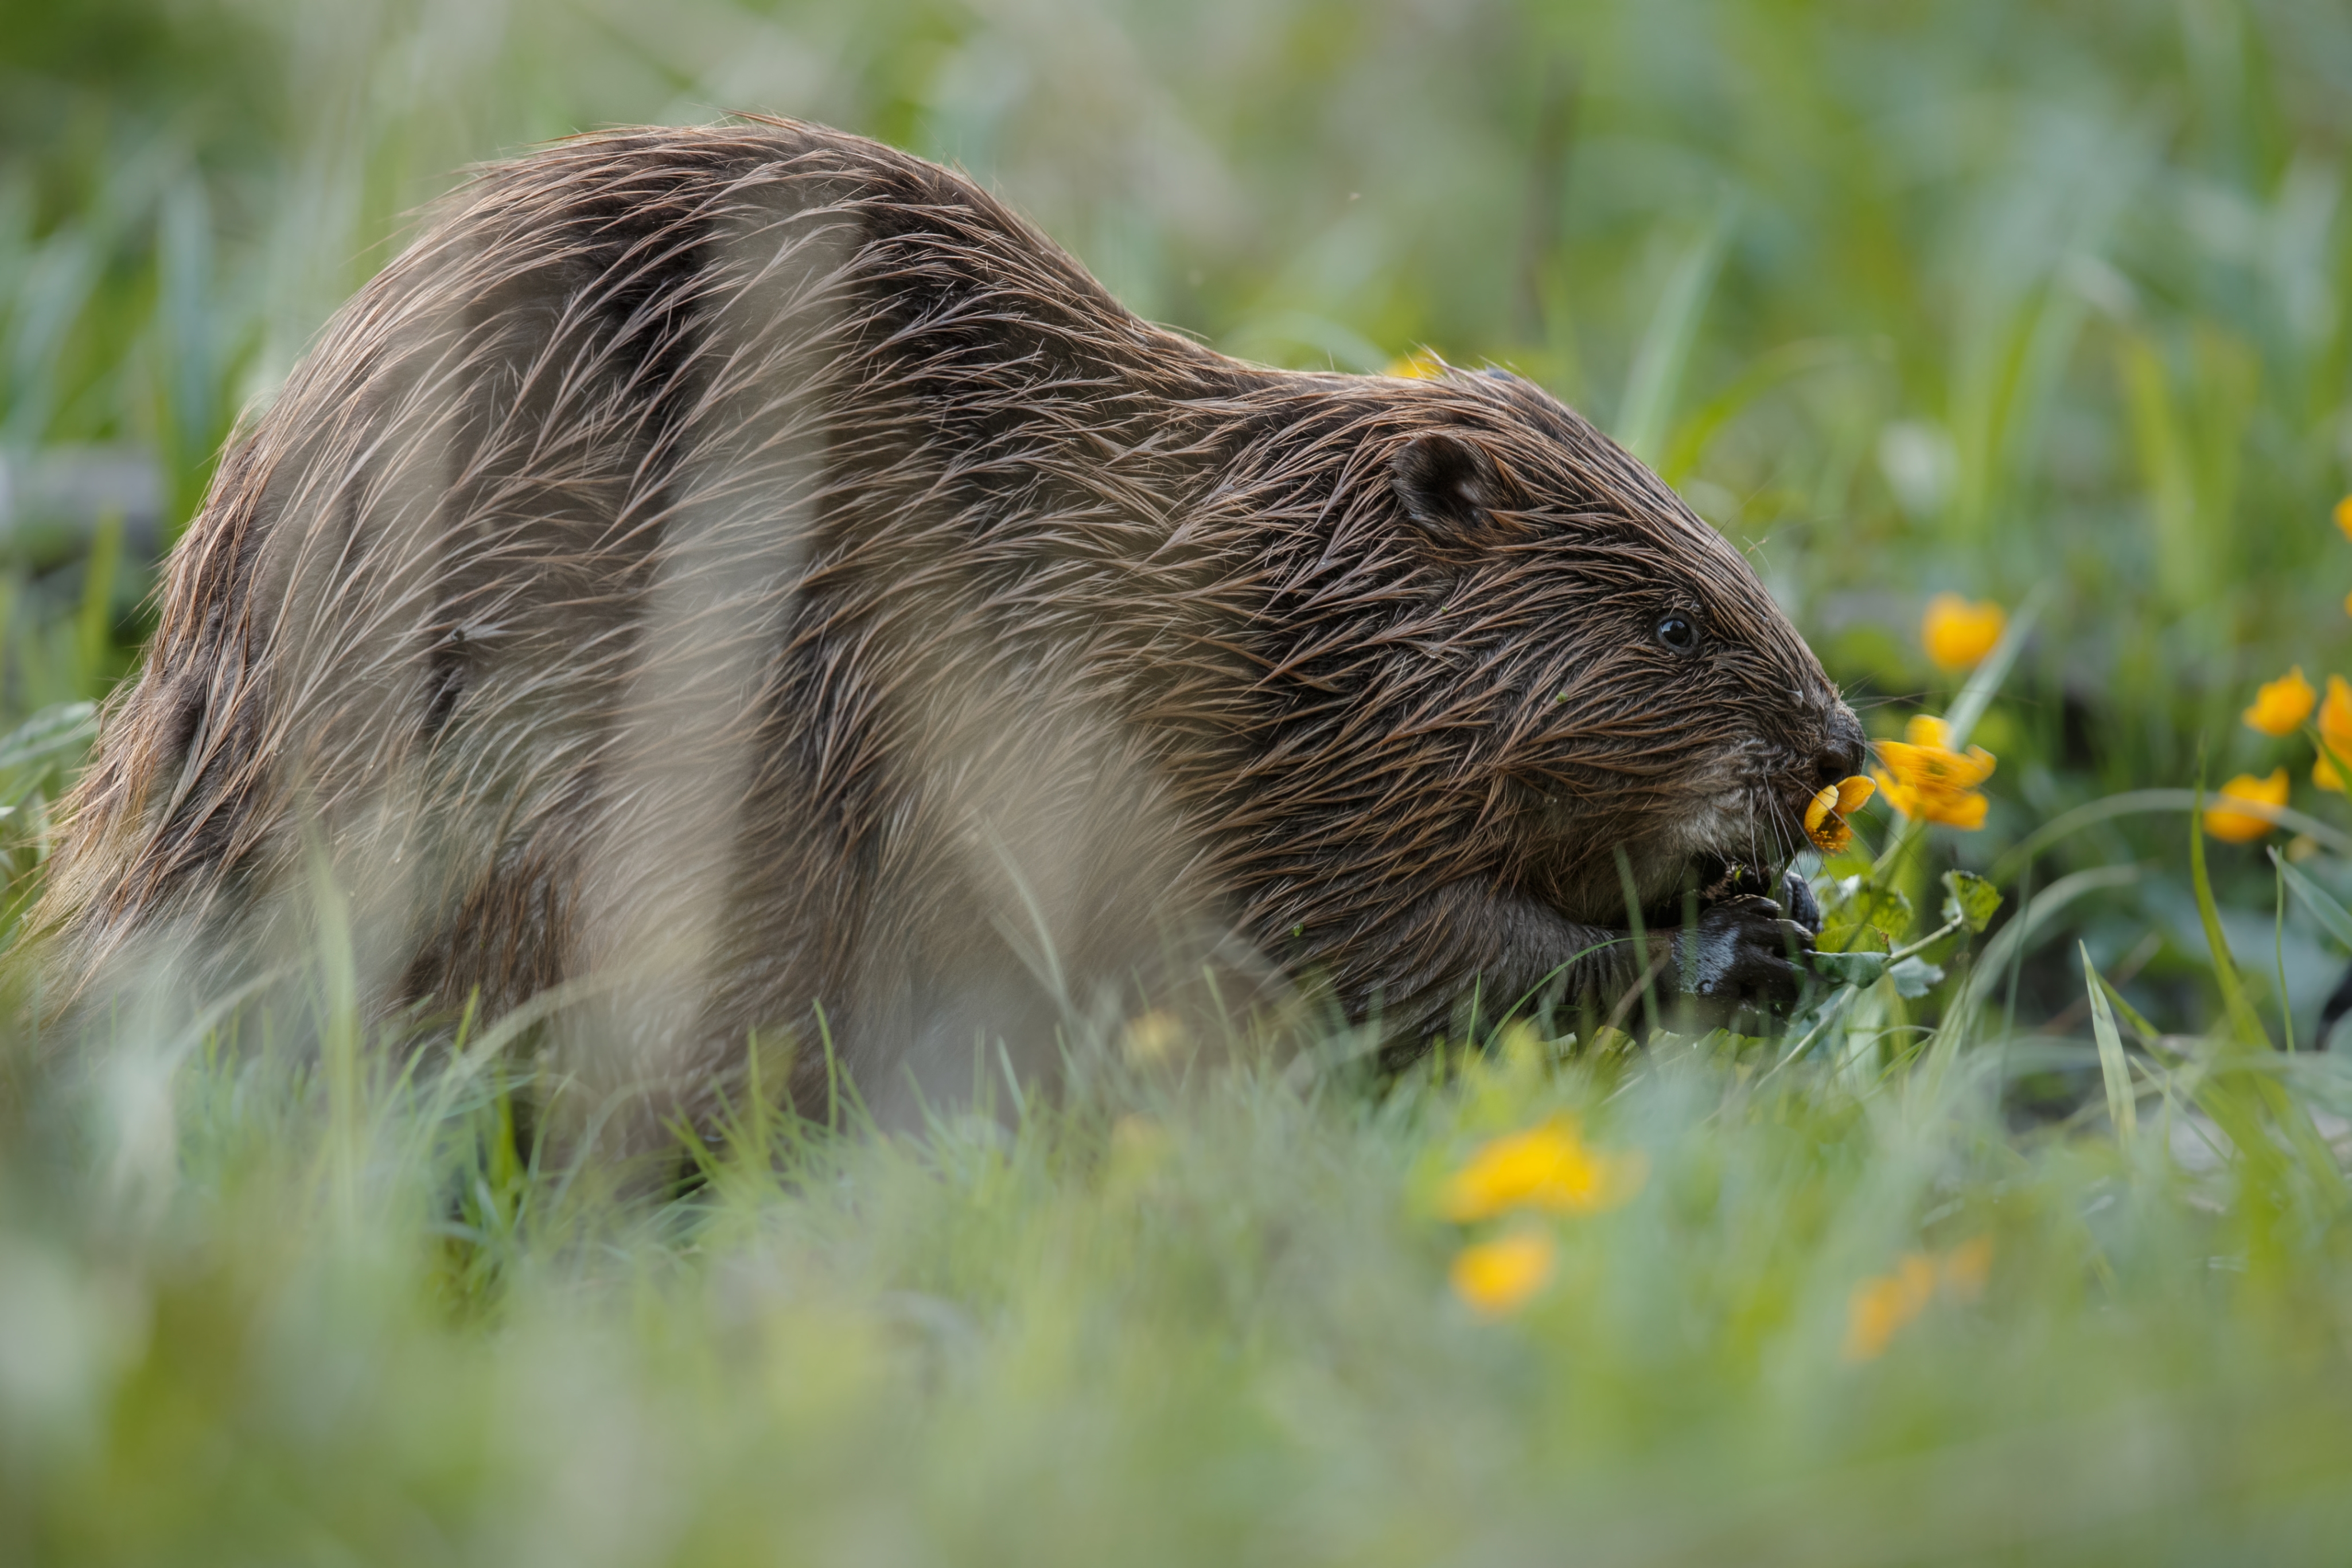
point(751, 566)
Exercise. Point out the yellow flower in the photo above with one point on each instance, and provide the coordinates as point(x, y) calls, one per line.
point(2280, 705)
point(2244, 827)
point(1927, 781)
point(2344, 521)
point(1420, 365)
point(2335, 732)
point(1881, 1305)
point(1497, 1277)
point(1966, 1268)
point(1885, 1303)
point(1825, 813)
point(1957, 633)
point(1547, 1167)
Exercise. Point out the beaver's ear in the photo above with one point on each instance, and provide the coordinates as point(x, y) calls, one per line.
point(1449, 483)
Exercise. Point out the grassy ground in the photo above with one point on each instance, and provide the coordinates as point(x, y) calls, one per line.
point(2041, 302)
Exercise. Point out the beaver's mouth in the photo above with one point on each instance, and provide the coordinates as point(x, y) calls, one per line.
point(1744, 847)
point(1739, 843)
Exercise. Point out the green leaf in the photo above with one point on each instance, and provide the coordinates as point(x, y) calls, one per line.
point(1861, 916)
point(1970, 899)
point(2317, 899)
point(1852, 936)
point(1914, 976)
point(2123, 1105)
point(1850, 968)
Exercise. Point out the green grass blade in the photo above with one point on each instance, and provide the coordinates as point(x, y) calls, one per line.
point(1655, 383)
point(2245, 1024)
point(2317, 899)
point(2123, 1106)
point(1984, 682)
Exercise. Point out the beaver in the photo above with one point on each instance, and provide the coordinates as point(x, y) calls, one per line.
point(745, 579)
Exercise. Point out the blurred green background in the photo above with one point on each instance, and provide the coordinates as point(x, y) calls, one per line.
point(2039, 302)
point(1981, 295)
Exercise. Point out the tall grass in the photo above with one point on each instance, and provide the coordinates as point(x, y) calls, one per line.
point(2030, 300)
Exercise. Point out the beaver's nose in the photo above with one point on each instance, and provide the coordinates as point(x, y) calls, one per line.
point(1842, 749)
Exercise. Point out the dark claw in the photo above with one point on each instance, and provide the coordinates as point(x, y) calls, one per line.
point(1797, 899)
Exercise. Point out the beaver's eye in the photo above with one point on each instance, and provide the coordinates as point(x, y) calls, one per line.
point(1678, 632)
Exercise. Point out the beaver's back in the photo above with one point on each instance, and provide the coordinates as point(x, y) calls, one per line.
point(733, 564)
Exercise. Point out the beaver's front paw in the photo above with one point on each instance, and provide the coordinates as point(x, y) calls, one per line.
point(1743, 953)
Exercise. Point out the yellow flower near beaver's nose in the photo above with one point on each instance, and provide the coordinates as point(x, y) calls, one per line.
point(1958, 634)
point(2344, 521)
point(1496, 1277)
point(1825, 813)
point(2244, 827)
point(1928, 781)
point(2280, 705)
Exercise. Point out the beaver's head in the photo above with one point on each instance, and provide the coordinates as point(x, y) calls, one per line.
point(1616, 676)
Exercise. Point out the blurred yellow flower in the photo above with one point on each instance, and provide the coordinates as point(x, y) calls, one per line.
point(1966, 1268)
point(1497, 1277)
point(1958, 634)
point(2344, 521)
point(1547, 1167)
point(2244, 827)
point(2280, 705)
point(1881, 1305)
point(1420, 365)
point(2334, 732)
point(1825, 813)
point(1885, 1303)
point(1927, 781)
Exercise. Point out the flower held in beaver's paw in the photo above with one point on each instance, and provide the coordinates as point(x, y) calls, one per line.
point(1495, 1278)
point(1958, 634)
point(2244, 827)
point(1928, 781)
point(2280, 705)
point(1825, 813)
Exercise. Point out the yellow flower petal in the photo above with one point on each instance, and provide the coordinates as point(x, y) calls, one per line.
point(1926, 730)
point(1927, 781)
point(1825, 822)
point(2323, 774)
point(1420, 365)
point(1884, 1303)
point(1966, 1268)
point(1959, 633)
point(2244, 827)
point(1495, 1278)
point(2344, 521)
point(1547, 1167)
point(2280, 705)
point(2335, 718)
